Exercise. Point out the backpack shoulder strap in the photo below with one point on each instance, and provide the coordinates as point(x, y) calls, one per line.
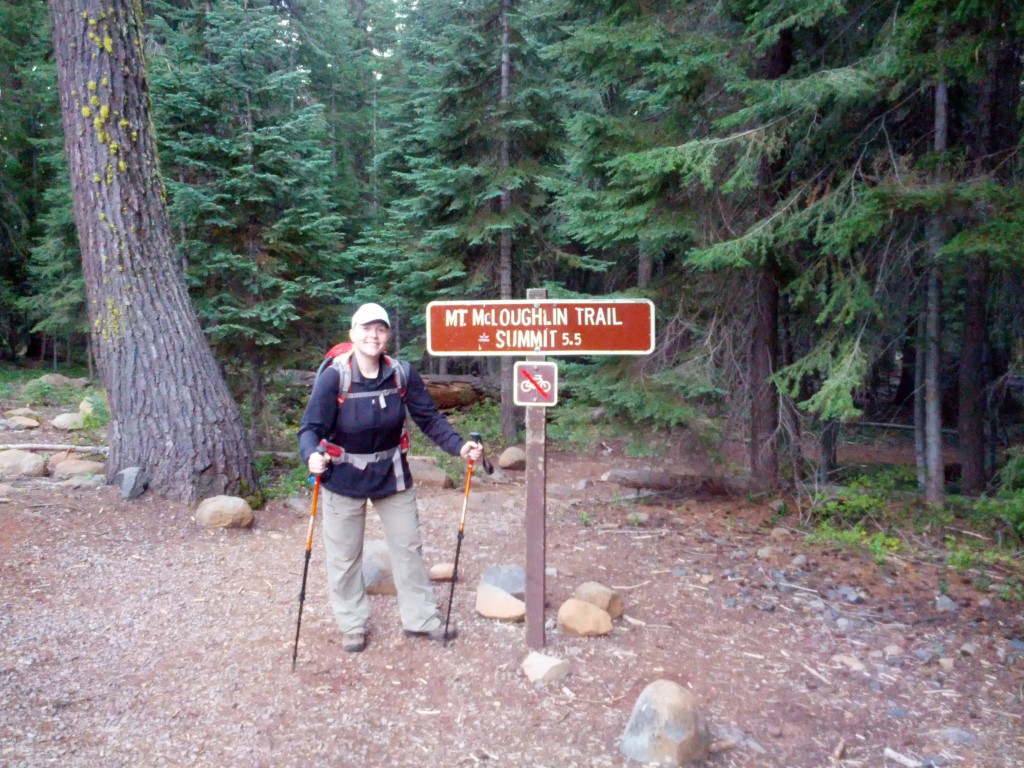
point(343, 364)
point(401, 374)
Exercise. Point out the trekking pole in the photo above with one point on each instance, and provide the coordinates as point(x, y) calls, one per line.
point(305, 565)
point(475, 437)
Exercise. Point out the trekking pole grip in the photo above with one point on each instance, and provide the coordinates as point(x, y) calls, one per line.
point(476, 437)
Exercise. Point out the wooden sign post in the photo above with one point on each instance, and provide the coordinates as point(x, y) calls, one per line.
point(533, 329)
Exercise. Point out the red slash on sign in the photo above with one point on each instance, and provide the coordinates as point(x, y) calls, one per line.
point(537, 386)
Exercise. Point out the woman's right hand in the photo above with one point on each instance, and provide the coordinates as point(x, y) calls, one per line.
point(317, 463)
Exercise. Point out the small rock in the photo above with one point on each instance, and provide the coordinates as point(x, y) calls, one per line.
point(850, 662)
point(55, 380)
point(377, 573)
point(579, 618)
point(21, 412)
point(69, 422)
point(969, 649)
point(428, 475)
point(18, 463)
point(441, 571)
point(495, 603)
point(849, 594)
point(945, 604)
point(78, 468)
point(224, 512)
point(513, 458)
point(603, 597)
point(541, 669)
point(84, 482)
point(958, 736)
point(947, 664)
point(509, 577)
point(133, 482)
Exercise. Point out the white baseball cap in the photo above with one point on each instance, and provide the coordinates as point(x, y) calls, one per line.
point(371, 313)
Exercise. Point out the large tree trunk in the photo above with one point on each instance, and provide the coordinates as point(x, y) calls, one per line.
point(170, 410)
point(971, 406)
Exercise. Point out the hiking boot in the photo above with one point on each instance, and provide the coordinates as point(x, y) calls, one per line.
point(437, 635)
point(353, 642)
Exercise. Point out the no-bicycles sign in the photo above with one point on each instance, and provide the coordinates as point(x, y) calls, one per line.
point(541, 327)
point(535, 383)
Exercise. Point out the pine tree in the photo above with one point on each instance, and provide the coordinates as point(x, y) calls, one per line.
point(171, 413)
point(29, 134)
point(250, 182)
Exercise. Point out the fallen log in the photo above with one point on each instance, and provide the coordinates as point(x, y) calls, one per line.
point(450, 392)
point(56, 447)
point(696, 486)
point(447, 392)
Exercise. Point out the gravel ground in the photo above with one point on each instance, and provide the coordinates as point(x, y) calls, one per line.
point(130, 636)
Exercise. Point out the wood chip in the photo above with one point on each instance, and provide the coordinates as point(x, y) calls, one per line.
point(909, 762)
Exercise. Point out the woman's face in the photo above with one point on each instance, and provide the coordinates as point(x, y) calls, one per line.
point(370, 339)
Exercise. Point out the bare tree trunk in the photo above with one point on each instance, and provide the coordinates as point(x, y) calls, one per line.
point(508, 413)
point(971, 403)
point(644, 266)
point(829, 450)
point(934, 491)
point(171, 412)
point(764, 400)
point(920, 457)
point(764, 346)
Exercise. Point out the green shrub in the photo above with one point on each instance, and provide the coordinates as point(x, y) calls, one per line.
point(879, 544)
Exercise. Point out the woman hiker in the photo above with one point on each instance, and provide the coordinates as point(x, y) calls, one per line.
point(366, 422)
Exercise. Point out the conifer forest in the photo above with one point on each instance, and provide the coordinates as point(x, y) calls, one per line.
point(824, 199)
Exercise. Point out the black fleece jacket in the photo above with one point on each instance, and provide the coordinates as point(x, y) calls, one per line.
point(369, 425)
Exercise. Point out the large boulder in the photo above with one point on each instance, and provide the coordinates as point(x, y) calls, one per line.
point(666, 727)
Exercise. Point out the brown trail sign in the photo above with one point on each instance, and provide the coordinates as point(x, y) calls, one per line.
point(533, 328)
point(541, 327)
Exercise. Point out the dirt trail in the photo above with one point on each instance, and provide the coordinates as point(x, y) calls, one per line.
point(129, 636)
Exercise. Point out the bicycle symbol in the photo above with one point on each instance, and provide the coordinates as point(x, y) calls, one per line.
point(541, 382)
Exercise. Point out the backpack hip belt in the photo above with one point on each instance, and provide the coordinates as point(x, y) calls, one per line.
point(339, 455)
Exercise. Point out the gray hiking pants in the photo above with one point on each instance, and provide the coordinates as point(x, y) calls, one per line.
point(344, 525)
